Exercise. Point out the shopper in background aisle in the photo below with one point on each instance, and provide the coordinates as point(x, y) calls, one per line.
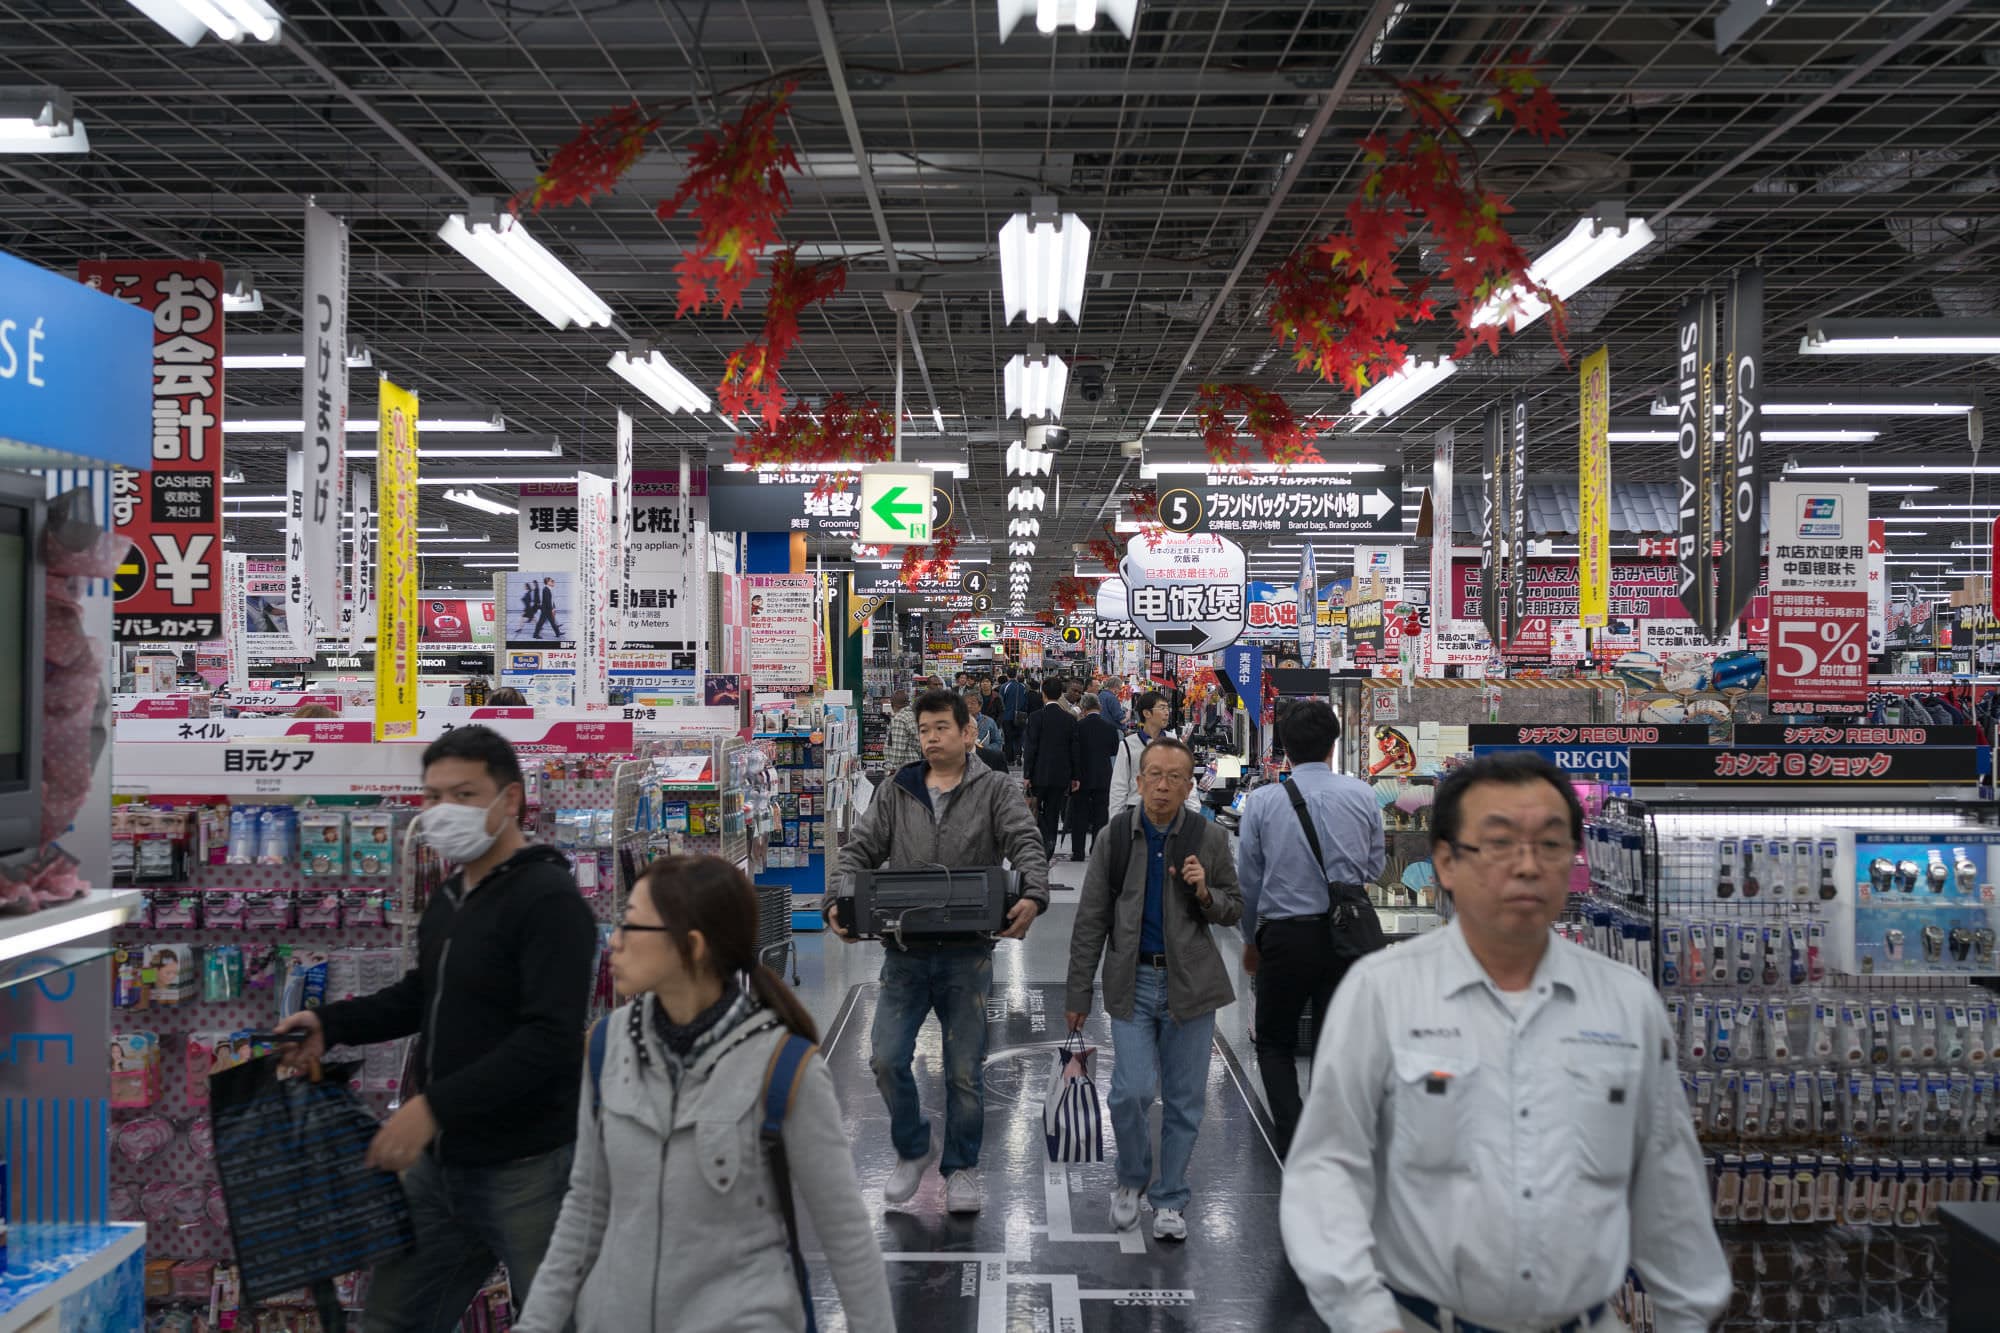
point(506, 697)
point(1287, 930)
point(901, 749)
point(673, 1109)
point(1499, 1130)
point(1013, 712)
point(989, 730)
point(505, 954)
point(1108, 700)
point(1160, 877)
point(1097, 744)
point(989, 702)
point(948, 811)
point(1151, 709)
point(1072, 697)
point(1051, 760)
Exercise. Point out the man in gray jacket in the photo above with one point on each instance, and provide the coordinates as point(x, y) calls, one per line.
point(1160, 876)
point(948, 809)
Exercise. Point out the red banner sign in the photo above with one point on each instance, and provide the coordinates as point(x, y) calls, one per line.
point(1639, 591)
point(169, 580)
point(1819, 649)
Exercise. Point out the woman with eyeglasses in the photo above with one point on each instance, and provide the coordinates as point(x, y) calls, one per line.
point(678, 1212)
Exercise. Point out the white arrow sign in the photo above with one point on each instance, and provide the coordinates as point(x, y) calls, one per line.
point(1377, 504)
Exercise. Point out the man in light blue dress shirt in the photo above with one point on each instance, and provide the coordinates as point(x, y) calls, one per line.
point(1287, 933)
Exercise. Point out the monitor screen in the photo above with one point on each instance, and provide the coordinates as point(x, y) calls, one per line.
point(15, 569)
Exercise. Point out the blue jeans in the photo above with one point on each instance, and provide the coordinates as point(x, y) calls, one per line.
point(1151, 1051)
point(467, 1219)
point(953, 982)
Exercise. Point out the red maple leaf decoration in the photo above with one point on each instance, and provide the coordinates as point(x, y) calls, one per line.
point(1105, 552)
point(1071, 592)
point(735, 184)
point(840, 432)
point(930, 562)
point(1267, 418)
point(593, 162)
point(750, 379)
point(1343, 309)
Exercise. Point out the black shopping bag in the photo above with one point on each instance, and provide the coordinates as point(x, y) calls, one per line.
point(302, 1205)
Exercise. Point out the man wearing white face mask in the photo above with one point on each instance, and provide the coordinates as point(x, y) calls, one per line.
point(498, 1000)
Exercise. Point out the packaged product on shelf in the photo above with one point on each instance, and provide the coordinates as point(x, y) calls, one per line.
point(171, 975)
point(224, 910)
point(304, 980)
point(364, 907)
point(222, 973)
point(135, 1069)
point(371, 842)
point(128, 989)
point(319, 911)
point(211, 835)
point(322, 842)
point(277, 835)
point(267, 910)
point(175, 910)
point(200, 1059)
point(244, 821)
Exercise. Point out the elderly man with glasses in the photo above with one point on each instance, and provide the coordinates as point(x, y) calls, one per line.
point(1499, 1132)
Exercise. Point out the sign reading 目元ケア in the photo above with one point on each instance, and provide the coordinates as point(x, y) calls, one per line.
point(168, 586)
point(1365, 500)
point(1186, 592)
point(1819, 597)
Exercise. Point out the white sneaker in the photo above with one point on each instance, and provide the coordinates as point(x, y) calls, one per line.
point(909, 1174)
point(961, 1192)
point(1124, 1208)
point(1169, 1225)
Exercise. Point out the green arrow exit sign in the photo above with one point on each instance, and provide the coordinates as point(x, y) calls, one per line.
point(896, 505)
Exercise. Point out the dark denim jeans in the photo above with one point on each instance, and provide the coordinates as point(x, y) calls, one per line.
point(468, 1218)
point(952, 982)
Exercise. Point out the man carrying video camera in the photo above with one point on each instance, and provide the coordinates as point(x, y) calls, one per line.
point(949, 811)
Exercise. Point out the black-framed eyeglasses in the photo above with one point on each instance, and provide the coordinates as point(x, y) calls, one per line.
point(1504, 851)
point(633, 928)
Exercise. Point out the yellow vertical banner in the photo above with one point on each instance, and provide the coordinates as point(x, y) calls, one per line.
point(396, 600)
point(1593, 471)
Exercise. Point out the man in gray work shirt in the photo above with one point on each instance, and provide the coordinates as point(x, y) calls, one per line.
point(1499, 1132)
point(1286, 927)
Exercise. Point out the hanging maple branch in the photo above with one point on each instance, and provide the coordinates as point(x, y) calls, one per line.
point(921, 563)
point(1071, 592)
point(1343, 309)
point(595, 160)
point(1267, 418)
point(750, 380)
point(840, 432)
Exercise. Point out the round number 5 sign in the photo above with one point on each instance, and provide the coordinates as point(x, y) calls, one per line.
point(1180, 510)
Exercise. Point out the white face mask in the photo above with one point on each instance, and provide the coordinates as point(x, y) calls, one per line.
point(457, 832)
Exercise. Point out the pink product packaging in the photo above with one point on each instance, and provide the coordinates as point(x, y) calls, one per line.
point(224, 910)
point(319, 910)
point(135, 1069)
point(176, 910)
point(267, 911)
point(200, 1054)
point(364, 907)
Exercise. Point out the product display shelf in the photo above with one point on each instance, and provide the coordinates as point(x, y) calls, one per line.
point(73, 1275)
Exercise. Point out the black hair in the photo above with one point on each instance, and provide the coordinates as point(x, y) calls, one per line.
point(1309, 727)
point(481, 744)
point(1052, 687)
point(1168, 743)
point(1510, 768)
point(506, 697)
point(1148, 701)
point(942, 701)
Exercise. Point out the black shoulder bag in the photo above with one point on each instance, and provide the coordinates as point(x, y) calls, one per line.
point(1353, 925)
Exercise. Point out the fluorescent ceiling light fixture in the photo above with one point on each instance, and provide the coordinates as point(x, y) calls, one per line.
point(1837, 402)
point(1024, 527)
point(523, 479)
point(1044, 257)
point(368, 425)
point(472, 499)
point(1348, 456)
point(646, 370)
point(240, 295)
point(495, 240)
point(1082, 15)
point(282, 353)
point(1026, 498)
point(1594, 247)
point(1898, 486)
point(491, 564)
point(550, 451)
point(459, 541)
point(1795, 469)
point(1020, 548)
point(1912, 505)
point(38, 118)
point(1814, 435)
point(1036, 383)
point(937, 419)
point(231, 20)
point(1025, 462)
point(1901, 337)
point(1413, 380)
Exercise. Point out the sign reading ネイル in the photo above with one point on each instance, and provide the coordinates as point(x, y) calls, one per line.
point(169, 581)
point(1366, 499)
point(1186, 593)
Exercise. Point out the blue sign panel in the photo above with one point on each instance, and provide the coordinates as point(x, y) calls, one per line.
point(76, 373)
point(1245, 664)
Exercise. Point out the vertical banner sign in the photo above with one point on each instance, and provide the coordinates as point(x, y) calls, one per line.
point(396, 611)
point(1819, 598)
point(1741, 488)
point(361, 574)
point(595, 576)
point(1492, 506)
point(236, 617)
point(1517, 514)
point(169, 580)
point(314, 552)
point(1878, 587)
point(1442, 448)
point(1693, 551)
point(1307, 595)
point(621, 516)
point(1593, 484)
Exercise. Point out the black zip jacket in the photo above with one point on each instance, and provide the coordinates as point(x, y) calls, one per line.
point(498, 999)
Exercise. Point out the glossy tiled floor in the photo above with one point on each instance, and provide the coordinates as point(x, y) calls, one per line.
point(1042, 1255)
